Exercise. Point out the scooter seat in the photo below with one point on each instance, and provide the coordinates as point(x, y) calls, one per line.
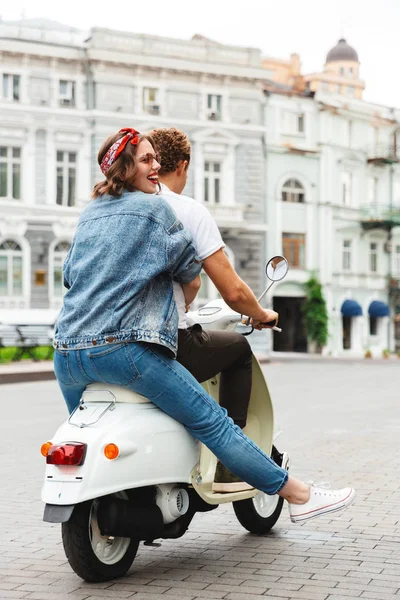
point(121, 394)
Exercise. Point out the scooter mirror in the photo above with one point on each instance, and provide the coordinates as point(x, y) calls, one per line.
point(277, 268)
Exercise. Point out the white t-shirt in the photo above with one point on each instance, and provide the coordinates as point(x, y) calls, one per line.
point(205, 233)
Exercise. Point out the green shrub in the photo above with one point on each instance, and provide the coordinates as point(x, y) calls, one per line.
point(315, 313)
point(41, 353)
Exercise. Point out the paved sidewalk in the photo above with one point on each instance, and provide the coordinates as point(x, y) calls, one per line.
point(26, 370)
point(320, 358)
point(341, 423)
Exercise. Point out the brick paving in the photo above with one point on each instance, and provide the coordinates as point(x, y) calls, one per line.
point(341, 423)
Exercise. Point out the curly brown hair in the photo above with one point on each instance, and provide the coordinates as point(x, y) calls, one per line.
point(122, 172)
point(173, 146)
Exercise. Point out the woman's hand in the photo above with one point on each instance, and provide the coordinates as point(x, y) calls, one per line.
point(190, 291)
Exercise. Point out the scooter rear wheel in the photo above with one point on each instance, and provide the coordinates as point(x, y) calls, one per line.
point(258, 514)
point(95, 557)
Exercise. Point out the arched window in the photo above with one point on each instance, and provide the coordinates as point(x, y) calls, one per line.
point(11, 279)
point(59, 255)
point(293, 191)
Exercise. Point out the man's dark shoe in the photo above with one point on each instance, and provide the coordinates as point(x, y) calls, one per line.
point(225, 481)
point(281, 458)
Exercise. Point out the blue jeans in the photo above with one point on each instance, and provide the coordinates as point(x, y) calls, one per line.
point(149, 371)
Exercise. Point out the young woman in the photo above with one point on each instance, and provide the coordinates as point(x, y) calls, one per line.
point(119, 321)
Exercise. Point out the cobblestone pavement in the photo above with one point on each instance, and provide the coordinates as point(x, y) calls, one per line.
point(341, 423)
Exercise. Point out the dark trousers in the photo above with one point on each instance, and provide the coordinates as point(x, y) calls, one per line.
point(207, 353)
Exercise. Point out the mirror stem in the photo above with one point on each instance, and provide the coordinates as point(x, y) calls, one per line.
point(260, 298)
point(265, 291)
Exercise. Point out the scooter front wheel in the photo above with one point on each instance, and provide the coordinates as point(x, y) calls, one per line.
point(258, 514)
point(95, 557)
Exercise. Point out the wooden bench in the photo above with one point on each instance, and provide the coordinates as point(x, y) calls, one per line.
point(25, 338)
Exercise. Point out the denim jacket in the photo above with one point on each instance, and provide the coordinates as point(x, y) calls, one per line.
point(119, 272)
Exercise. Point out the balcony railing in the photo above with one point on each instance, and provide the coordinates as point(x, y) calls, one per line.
point(381, 154)
point(226, 214)
point(381, 216)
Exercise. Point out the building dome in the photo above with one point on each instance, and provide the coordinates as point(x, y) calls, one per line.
point(342, 51)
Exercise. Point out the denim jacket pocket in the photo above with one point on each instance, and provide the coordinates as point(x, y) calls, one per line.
point(114, 364)
point(62, 368)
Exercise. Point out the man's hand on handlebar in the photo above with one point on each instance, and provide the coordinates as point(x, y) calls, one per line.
point(269, 320)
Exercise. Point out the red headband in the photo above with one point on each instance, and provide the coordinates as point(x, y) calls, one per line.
point(117, 147)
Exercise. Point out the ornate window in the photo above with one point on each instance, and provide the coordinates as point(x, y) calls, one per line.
point(151, 100)
point(212, 182)
point(66, 178)
point(294, 246)
point(373, 257)
point(11, 272)
point(66, 92)
point(10, 172)
point(293, 191)
point(59, 255)
point(11, 87)
point(214, 104)
point(346, 255)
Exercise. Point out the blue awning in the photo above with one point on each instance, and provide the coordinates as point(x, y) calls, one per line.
point(351, 308)
point(378, 309)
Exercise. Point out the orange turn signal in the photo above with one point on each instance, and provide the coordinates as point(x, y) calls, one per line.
point(111, 451)
point(44, 450)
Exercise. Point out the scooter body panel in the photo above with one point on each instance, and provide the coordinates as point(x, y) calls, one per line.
point(259, 428)
point(154, 449)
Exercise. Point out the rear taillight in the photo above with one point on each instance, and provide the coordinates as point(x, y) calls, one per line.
point(71, 453)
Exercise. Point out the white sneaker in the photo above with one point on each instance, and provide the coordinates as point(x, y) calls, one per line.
point(322, 501)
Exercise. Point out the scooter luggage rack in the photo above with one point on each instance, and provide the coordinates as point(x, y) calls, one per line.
point(81, 406)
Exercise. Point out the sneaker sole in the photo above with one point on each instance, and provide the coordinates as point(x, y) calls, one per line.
point(326, 509)
point(239, 486)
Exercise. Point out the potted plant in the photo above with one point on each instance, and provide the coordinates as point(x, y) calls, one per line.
point(386, 353)
point(315, 315)
point(368, 353)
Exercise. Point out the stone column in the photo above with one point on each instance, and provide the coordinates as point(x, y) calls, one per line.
point(28, 168)
point(199, 172)
point(51, 168)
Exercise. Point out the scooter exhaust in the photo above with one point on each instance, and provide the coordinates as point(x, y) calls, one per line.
point(124, 518)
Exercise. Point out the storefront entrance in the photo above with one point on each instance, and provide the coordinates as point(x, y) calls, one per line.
point(293, 337)
point(346, 323)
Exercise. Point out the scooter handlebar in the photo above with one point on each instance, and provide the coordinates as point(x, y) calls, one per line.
point(268, 325)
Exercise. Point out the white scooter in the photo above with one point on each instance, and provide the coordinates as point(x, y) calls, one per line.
point(120, 471)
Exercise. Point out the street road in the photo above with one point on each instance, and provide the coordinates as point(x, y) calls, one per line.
point(341, 423)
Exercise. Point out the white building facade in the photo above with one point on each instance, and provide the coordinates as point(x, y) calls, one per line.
point(334, 210)
point(312, 176)
point(62, 96)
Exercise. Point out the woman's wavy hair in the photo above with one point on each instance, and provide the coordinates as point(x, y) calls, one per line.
point(121, 174)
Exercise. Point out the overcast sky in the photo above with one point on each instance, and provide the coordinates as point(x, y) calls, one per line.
point(278, 27)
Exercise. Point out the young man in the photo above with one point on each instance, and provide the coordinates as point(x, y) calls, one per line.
point(206, 353)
